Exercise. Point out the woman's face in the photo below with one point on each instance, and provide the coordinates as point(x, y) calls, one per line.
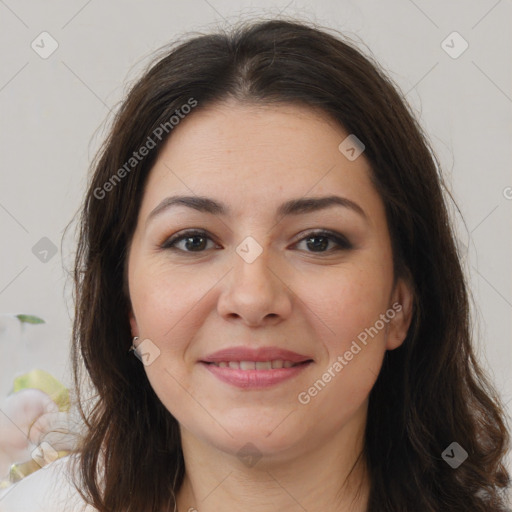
point(314, 279)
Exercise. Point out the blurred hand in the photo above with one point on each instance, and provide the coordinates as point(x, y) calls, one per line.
point(26, 417)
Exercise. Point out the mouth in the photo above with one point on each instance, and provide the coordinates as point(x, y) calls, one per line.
point(275, 364)
point(255, 368)
point(256, 358)
point(252, 379)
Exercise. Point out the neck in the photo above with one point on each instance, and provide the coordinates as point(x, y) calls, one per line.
point(321, 474)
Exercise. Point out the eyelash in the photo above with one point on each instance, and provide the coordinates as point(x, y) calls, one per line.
point(340, 240)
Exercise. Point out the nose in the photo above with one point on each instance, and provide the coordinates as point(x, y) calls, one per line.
point(255, 292)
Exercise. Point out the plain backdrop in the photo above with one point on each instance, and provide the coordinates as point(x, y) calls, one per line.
point(53, 113)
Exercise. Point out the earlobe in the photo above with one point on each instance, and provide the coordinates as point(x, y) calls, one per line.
point(402, 303)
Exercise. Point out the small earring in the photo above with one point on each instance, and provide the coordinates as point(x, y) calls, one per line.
point(133, 347)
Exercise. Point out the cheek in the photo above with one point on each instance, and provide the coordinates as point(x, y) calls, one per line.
point(354, 349)
point(161, 298)
point(348, 301)
point(351, 305)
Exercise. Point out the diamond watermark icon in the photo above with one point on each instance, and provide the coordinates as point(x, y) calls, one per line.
point(147, 352)
point(351, 147)
point(249, 454)
point(454, 45)
point(249, 249)
point(454, 455)
point(44, 250)
point(44, 45)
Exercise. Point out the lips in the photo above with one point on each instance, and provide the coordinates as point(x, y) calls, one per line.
point(254, 369)
point(263, 354)
point(256, 365)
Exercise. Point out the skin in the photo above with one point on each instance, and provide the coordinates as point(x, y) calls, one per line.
point(312, 301)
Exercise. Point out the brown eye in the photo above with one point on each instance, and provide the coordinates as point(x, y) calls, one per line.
point(194, 241)
point(319, 241)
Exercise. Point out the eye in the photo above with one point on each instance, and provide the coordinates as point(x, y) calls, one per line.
point(195, 241)
point(318, 241)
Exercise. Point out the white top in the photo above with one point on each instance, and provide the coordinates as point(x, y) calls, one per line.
point(48, 489)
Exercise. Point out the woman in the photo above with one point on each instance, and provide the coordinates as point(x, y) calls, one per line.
point(270, 303)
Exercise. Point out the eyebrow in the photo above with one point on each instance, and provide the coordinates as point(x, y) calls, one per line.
point(292, 207)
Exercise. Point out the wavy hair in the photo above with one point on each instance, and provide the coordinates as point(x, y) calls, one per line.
point(431, 390)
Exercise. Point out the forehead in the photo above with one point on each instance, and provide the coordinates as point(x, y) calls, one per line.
point(249, 155)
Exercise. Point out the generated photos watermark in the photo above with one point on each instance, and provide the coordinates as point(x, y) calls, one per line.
point(305, 397)
point(145, 149)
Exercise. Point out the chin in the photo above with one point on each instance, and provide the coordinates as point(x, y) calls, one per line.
point(265, 439)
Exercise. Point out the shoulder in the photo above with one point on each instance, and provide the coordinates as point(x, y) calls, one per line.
point(50, 489)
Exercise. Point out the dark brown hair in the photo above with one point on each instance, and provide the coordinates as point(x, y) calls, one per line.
point(430, 392)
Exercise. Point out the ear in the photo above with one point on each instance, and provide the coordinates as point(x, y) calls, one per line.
point(133, 324)
point(401, 303)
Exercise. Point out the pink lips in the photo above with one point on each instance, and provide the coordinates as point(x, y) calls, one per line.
point(251, 354)
point(255, 379)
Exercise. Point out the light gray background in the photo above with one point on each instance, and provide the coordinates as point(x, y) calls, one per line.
point(51, 110)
